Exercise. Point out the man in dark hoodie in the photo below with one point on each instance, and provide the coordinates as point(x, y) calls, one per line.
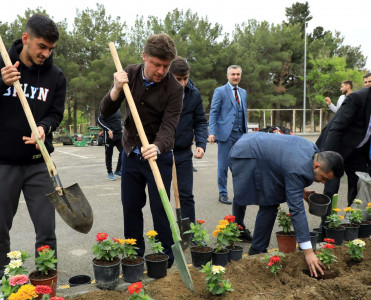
point(22, 167)
point(192, 123)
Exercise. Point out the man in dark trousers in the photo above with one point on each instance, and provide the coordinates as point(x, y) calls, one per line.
point(348, 133)
point(270, 169)
point(22, 167)
point(192, 123)
point(112, 131)
point(158, 98)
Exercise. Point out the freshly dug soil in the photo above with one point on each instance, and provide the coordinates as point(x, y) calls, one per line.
point(251, 280)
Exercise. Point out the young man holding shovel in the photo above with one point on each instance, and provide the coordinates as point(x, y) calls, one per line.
point(158, 98)
point(22, 167)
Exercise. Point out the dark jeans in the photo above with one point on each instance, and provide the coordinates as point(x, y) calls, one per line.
point(109, 145)
point(136, 175)
point(34, 181)
point(184, 170)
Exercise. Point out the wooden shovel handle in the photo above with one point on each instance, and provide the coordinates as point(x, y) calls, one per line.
point(31, 121)
point(175, 186)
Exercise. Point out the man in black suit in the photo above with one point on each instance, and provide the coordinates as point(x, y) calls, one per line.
point(348, 133)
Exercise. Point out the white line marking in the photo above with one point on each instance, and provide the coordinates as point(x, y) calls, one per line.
point(71, 154)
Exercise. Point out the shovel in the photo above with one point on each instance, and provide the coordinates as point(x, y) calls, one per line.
point(176, 248)
point(70, 202)
point(184, 224)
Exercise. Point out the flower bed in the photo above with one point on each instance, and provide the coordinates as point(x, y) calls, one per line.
point(250, 279)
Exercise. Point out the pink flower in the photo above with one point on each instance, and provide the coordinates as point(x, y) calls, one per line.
point(18, 280)
point(43, 289)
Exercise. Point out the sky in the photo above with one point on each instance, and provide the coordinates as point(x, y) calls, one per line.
point(351, 19)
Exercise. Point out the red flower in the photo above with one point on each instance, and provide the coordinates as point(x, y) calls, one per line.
point(230, 218)
point(288, 215)
point(42, 248)
point(56, 298)
point(101, 236)
point(200, 221)
point(240, 227)
point(116, 240)
point(328, 246)
point(275, 259)
point(43, 289)
point(135, 288)
point(332, 241)
point(270, 263)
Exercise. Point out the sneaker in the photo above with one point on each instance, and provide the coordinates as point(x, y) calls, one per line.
point(118, 173)
point(111, 176)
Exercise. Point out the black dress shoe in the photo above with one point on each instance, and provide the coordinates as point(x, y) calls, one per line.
point(252, 251)
point(246, 236)
point(224, 199)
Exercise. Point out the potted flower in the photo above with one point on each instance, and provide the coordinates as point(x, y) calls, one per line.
point(214, 282)
point(365, 225)
point(286, 238)
point(368, 210)
point(356, 248)
point(220, 255)
point(233, 233)
point(334, 229)
point(200, 253)
point(46, 273)
point(353, 218)
point(327, 257)
point(156, 262)
point(132, 264)
point(106, 264)
point(137, 293)
point(274, 262)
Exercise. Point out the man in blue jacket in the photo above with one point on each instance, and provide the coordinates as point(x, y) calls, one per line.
point(192, 123)
point(270, 169)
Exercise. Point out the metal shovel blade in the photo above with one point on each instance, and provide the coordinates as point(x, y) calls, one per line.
point(73, 207)
point(182, 266)
point(184, 225)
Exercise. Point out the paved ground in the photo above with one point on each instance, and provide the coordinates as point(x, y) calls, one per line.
point(85, 165)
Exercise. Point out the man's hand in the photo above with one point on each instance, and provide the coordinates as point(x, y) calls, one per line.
point(10, 74)
point(150, 151)
point(199, 153)
point(211, 139)
point(31, 140)
point(313, 262)
point(110, 134)
point(119, 78)
point(328, 100)
point(306, 194)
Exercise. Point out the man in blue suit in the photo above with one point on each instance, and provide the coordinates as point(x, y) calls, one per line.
point(270, 169)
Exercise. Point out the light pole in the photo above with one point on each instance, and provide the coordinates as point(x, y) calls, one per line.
point(305, 73)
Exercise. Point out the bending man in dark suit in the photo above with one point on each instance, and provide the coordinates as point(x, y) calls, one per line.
point(270, 169)
point(348, 133)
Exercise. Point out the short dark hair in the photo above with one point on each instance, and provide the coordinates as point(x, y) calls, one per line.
point(41, 26)
point(367, 75)
point(331, 161)
point(349, 83)
point(179, 66)
point(161, 46)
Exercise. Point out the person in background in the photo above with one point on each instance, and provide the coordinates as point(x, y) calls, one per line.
point(367, 79)
point(345, 88)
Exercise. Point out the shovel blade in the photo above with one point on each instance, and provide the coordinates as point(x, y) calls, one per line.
point(184, 226)
point(182, 266)
point(73, 207)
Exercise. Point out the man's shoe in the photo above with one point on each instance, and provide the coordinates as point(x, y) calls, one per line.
point(246, 236)
point(252, 251)
point(224, 199)
point(118, 173)
point(111, 176)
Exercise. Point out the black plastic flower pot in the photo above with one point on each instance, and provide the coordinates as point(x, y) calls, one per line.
point(132, 271)
point(156, 265)
point(318, 204)
point(336, 234)
point(201, 255)
point(351, 232)
point(314, 239)
point(79, 280)
point(364, 229)
point(107, 276)
point(220, 258)
point(235, 253)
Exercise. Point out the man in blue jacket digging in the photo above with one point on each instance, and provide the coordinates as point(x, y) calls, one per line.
point(192, 123)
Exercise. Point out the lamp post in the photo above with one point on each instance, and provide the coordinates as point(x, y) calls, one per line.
point(305, 73)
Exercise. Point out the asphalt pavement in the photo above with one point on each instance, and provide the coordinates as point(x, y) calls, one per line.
point(86, 166)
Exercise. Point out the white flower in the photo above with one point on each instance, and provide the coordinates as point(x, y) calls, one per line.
point(358, 201)
point(359, 243)
point(15, 263)
point(15, 255)
point(217, 269)
point(6, 271)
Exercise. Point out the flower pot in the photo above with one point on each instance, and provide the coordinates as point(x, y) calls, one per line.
point(364, 229)
point(220, 258)
point(106, 273)
point(318, 204)
point(79, 280)
point(132, 269)
point(286, 242)
point(336, 234)
point(351, 232)
point(38, 278)
point(320, 235)
point(314, 239)
point(235, 253)
point(201, 255)
point(156, 265)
